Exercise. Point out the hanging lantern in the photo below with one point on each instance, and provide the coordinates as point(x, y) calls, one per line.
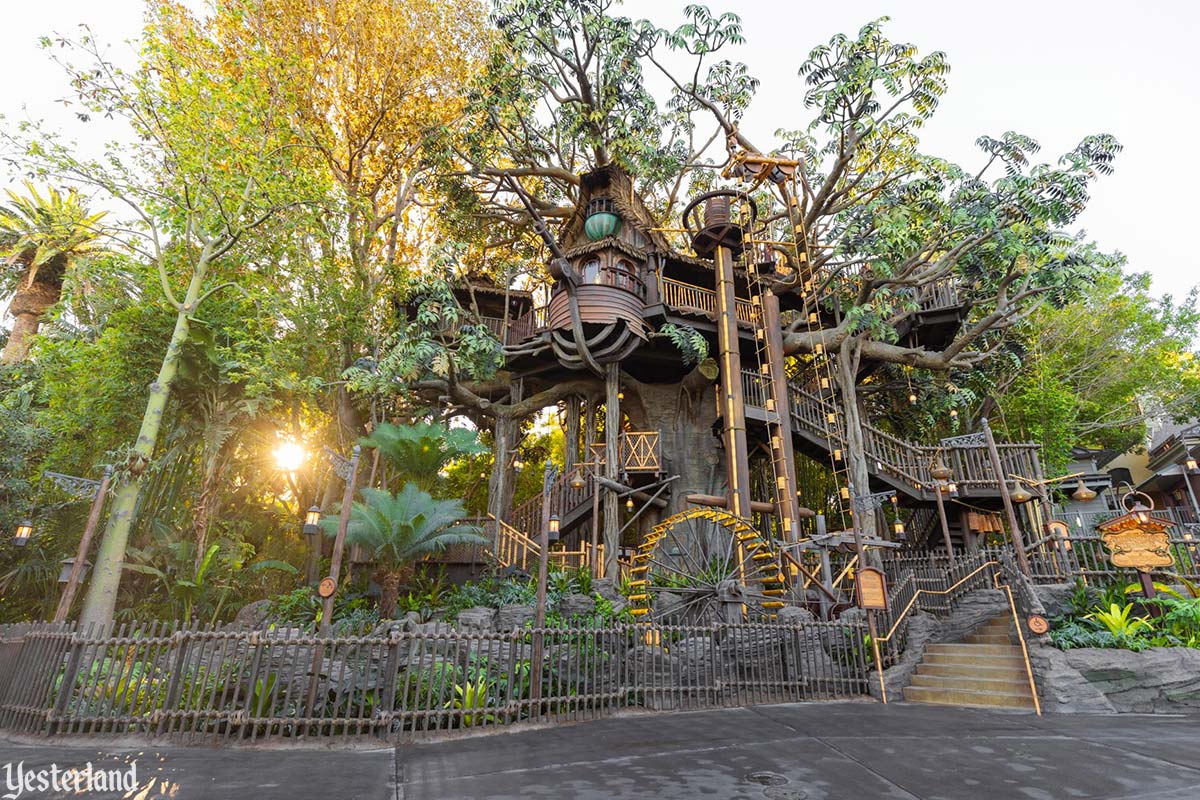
point(1082, 493)
point(954, 413)
point(898, 527)
point(518, 464)
point(1190, 465)
point(577, 481)
point(939, 471)
point(952, 489)
point(552, 530)
point(912, 398)
point(629, 504)
point(1020, 495)
point(312, 522)
point(602, 219)
point(23, 532)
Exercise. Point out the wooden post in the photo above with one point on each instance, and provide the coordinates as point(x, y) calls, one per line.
point(612, 466)
point(732, 403)
point(1018, 542)
point(941, 507)
point(539, 618)
point(826, 572)
point(85, 544)
point(785, 494)
point(571, 435)
point(339, 542)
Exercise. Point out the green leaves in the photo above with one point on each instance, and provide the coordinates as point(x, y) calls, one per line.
point(423, 450)
point(397, 530)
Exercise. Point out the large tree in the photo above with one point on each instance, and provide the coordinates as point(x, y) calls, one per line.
point(212, 158)
point(874, 222)
point(43, 238)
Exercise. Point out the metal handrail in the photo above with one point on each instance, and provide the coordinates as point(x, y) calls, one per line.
point(916, 596)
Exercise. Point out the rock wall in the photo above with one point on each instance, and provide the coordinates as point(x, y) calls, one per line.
point(1158, 680)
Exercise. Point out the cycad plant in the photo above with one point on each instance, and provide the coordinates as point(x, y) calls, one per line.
point(42, 237)
point(398, 530)
point(421, 451)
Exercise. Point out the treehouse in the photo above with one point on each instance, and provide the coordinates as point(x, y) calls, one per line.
point(662, 446)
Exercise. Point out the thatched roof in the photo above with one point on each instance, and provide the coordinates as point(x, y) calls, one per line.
point(614, 183)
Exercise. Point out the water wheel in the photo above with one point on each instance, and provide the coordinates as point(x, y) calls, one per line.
point(704, 566)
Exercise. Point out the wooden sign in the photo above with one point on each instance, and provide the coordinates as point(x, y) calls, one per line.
point(871, 588)
point(326, 587)
point(1137, 544)
point(1037, 624)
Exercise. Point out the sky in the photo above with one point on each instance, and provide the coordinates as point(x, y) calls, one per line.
point(1055, 70)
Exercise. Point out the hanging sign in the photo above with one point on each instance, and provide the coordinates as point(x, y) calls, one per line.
point(871, 588)
point(1137, 544)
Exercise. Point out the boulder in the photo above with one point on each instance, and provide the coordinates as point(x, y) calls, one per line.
point(479, 619)
point(1157, 680)
point(514, 617)
point(576, 605)
point(794, 615)
point(253, 615)
point(607, 589)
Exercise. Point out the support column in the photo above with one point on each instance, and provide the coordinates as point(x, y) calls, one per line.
point(571, 436)
point(612, 466)
point(732, 401)
point(785, 489)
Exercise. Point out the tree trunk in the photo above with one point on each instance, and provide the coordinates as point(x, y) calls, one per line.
point(29, 304)
point(25, 327)
point(389, 591)
point(101, 598)
point(856, 453)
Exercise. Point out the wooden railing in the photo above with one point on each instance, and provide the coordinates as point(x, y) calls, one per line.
point(526, 326)
point(940, 295)
point(890, 455)
point(641, 451)
point(679, 295)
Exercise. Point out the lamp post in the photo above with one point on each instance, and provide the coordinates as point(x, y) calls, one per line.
point(312, 533)
point(1190, 468)
point(349, 472)
point(941, 475)
point(79, 563)
point(1018, 542)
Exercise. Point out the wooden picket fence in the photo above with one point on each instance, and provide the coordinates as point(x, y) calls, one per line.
point(185, 681)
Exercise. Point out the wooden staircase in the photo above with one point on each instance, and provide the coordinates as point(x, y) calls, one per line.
point(985, 670)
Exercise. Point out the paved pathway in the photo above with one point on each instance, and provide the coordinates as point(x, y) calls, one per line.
point(855, 751)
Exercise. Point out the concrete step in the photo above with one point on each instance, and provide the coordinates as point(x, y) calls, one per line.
point(1002, 673)
point(1012, 685)
point(988, 660)
point(988, 638)
point(961, 648)
point(965, 697)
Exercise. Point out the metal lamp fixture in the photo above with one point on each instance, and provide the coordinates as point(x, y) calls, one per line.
point(939, 471)
point(552, 531)
point(629, 504)
point(1082, 493)
point(312, 521)
point(24, 530)
point(1190, 464)
point(577, 481)
point(1020, 495)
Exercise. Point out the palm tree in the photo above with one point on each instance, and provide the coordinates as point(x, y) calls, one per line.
point(42, 238)
point(399, 530)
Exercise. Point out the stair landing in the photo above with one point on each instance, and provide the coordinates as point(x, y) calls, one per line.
point(985, 670)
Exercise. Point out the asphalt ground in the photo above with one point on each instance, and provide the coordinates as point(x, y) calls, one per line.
point(856, 751)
